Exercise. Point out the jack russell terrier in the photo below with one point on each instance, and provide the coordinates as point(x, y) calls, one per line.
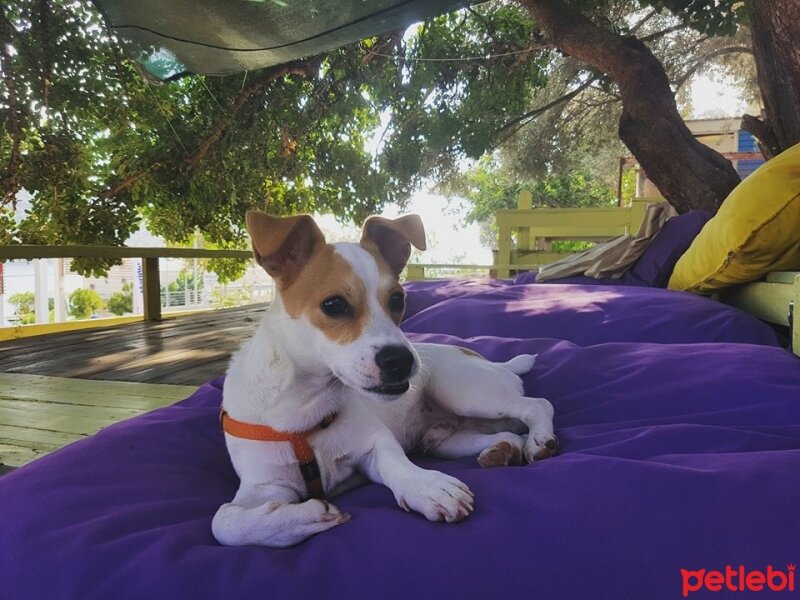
point(329, 390)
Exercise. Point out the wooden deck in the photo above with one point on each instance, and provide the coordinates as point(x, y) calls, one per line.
point(58, 388)
point(184, 351)
point(40, 414)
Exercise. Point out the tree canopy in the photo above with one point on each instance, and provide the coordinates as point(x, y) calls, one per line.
point(100, 148)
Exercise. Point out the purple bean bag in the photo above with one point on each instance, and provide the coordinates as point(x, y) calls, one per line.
point(590, 315)
point(674, 456)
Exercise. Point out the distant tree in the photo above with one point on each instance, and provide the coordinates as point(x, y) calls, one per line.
point(121, 302)
point(22, 302)
point(223, 298)
point(488, 187)
point(84, 303)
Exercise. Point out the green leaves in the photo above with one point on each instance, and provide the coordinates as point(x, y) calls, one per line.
point(102, 149)
point(84, 303)
point(715, 17)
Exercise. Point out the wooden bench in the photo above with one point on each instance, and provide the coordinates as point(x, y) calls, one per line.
point(776, 300)
point(526, 234)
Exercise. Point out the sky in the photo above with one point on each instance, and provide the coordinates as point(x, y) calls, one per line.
point(712, 95)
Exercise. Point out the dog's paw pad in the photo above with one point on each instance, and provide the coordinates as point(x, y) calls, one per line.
point(500, 455)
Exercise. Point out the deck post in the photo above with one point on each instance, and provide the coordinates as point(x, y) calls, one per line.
point(60, 308)
point(40, 303)
point(152, 289)
point(503, 248)
point(415, 272)
point(2, 295)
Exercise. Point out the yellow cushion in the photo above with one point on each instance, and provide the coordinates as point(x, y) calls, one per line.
point(755, 231)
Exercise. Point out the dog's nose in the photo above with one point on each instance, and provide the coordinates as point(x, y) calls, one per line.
point(395, 363)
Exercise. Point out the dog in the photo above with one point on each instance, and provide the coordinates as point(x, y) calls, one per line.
point(329, 390)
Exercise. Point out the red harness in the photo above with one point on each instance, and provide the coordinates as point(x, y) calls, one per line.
point(309, 468)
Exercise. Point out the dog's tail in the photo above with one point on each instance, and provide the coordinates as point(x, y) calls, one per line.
point(519, 365)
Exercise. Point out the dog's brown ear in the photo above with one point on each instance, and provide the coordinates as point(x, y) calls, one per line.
point(282, 245)
point(394, 237)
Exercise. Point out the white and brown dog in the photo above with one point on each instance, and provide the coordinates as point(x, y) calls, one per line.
point(329, 390)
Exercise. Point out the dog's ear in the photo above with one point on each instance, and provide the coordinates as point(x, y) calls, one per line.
point(282, 245)
point(394, 237)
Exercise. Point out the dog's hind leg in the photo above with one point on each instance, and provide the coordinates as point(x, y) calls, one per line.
point(492, 449)
point(470, 386)
point(269, 515)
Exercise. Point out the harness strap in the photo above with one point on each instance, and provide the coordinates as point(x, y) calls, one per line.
point(307, 462)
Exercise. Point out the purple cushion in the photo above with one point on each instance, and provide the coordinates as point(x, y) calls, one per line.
point(422, 294)
point(587, 315)
point(674, 457)
point(530, 277)
point(655, 266)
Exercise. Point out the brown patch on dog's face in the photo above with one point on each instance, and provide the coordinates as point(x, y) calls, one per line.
point(328, 275)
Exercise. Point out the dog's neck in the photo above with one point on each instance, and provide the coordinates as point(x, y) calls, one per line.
point(282, 384)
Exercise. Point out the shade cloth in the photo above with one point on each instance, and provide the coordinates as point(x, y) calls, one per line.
point(210, 37)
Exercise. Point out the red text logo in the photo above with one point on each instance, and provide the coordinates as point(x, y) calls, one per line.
point(738, 580)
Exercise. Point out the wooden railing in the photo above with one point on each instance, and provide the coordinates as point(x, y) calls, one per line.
point(419, 271)
point(526, 234)
point(151, 279)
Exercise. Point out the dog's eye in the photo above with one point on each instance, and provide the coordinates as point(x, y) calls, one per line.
point(336, 306)
point(397, 302)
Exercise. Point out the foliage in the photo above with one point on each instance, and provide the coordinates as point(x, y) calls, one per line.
point(488, 187)
point(716, 17)
point(579, 129)
point(8, 226)
point(84, 303)
point(100, 148)
point(121, 302)
point(184, 281)
point(176, 289)
point(224, 298)
point(441, 111)
point(22, 302)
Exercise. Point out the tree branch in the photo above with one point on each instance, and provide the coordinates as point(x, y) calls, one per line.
point(124, 184)
point(304, 68)
point(644, 20)
point(706, 58)
point(688, 174)
point(532, 114)
point(763, 133)
point(659, 34)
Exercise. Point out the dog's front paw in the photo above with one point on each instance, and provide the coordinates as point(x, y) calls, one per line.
point(437, 496)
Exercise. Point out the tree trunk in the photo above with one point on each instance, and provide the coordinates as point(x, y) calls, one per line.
point(688, 174)
point(775, 27)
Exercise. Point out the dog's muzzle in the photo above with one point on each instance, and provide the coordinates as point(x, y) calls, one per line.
point(395, 364)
